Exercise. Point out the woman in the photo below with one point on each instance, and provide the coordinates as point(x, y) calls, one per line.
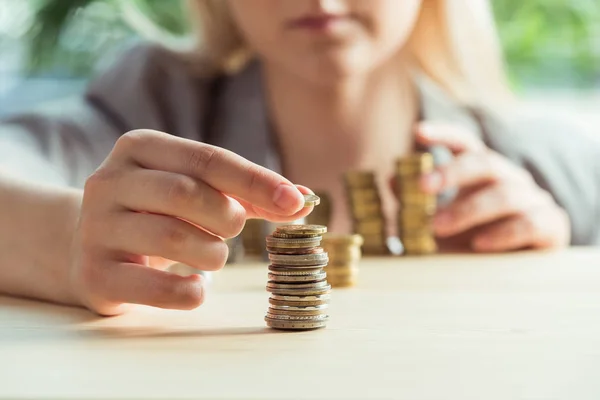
point(305, 88)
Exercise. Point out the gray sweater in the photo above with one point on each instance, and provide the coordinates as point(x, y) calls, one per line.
point(149, 87)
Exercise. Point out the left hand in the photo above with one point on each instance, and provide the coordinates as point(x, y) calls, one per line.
point(497, 200)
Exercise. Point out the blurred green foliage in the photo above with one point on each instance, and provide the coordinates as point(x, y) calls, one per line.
point(545, 41)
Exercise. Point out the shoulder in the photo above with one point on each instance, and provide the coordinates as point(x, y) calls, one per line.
point(148, 86)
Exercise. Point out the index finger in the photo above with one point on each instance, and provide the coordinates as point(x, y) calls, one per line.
point(224, 170)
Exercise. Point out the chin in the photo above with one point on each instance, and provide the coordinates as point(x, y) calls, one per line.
point(334, 69)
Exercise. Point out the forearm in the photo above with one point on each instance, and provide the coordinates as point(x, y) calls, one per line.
point(36, 228)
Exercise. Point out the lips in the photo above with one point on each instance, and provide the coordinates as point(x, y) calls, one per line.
point(319, 22)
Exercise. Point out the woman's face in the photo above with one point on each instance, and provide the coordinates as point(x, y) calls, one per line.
point(326, 41)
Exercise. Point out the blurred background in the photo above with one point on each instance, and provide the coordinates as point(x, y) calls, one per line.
point(49, 48)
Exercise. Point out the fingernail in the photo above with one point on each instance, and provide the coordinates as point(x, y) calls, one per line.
point(288, 198)
point(431, 183)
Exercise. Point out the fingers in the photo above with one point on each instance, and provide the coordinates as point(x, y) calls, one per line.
point(484, 206)
point(223, 170)
point(136, 284)
point(453, 137)
point(167, 237)
point(256, 212)
point(537, 229)
point(471, 169)
point(181, 196)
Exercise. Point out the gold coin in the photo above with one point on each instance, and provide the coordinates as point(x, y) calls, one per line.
point(311, 200)
point(332, 239)
point(301, 230)
point(295, 325)
point(366, 212)
point(360, 179)
point(364, 196)
point(418, 163)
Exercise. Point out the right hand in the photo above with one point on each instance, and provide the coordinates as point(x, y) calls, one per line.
point(160, 197)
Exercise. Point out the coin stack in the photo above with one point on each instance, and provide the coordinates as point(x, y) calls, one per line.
point(415, 215)
point(297, 281)
point(344, 255)
point(367, 213)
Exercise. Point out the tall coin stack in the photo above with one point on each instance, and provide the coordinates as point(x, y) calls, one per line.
point(367, 213)
point(344, 255)
point(415, 215)
point(297, 281)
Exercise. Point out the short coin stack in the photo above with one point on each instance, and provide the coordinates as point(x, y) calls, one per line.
point(367, 214)
point(415, 215)
point(297, 281)
point(344, 256)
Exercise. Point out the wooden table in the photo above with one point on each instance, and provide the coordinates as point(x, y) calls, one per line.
point(520, 326)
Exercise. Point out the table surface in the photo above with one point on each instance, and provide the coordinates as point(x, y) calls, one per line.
point(510, 326)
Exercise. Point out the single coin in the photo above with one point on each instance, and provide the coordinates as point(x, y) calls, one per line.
point(296, 325)
point(299, 259)
point(297, 278)
point(305, 299)
point(321, 307)
point(311, 200)
point(283, 270)
point(308, 250)
point(300, 292)
point(299, 286)
point(281, 235)
point(318, 317)
point(300, 303)
point(274, 242)
point(301, 230)
point(296, 313)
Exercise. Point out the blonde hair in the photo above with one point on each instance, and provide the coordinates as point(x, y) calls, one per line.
point(454, 43)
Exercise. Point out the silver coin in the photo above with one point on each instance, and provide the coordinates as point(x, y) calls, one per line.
point(295, 271)
point(298, 278)
point(295, 325)
point(301, 292)
point(293, 243)
point(319, 317)
point(301, 298)
point(298, 308)
point(312, 285)
point(302, 259)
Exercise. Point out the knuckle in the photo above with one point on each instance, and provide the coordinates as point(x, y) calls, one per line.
point(174, 237)
point(182, 191)
point(236, 222)
point(255, 175)
point(99, 178)
point(220, 254)
point(202, 158)
point(131, 140)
